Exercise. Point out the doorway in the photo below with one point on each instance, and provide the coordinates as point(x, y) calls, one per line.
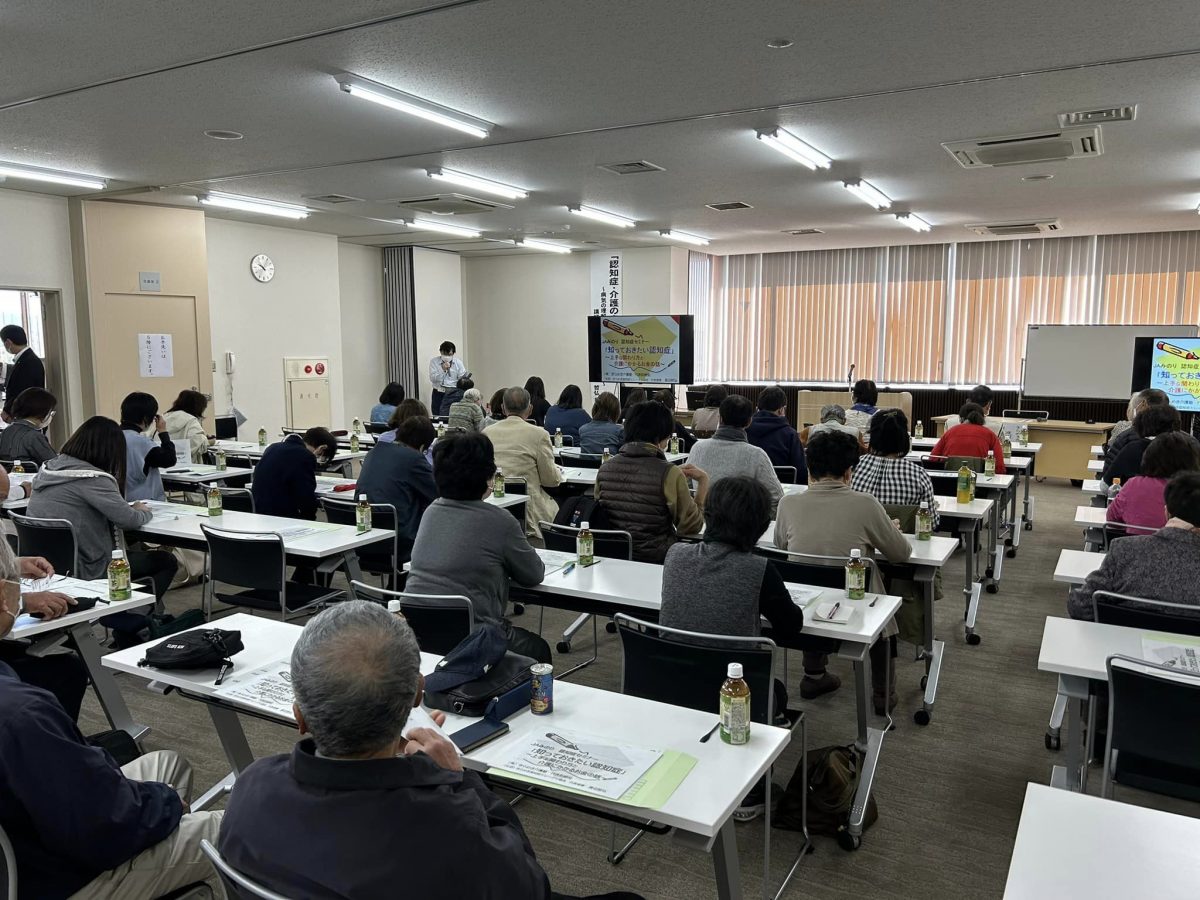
point(39, 312)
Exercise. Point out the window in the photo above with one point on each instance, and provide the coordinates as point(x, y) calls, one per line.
point(23, 308)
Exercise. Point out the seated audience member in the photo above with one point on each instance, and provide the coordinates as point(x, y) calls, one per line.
point(1140, 501)
point(62, 674)
point(467, 546)
point(636, 396)
point(495, 409)
point(405, 410)
point(391, 397)
point(84, 827)
point(144, 456)
point(568, 413)
point(25, 439)
point(1141, 400)
point(467, 413)
point(644, 494)
point(463, 385)
point(865, 395)
point(831, 519)
point(285, 479)
point(356, 673)
point(602, 432)
point(1161, 566)
point(524, 451)
point(885, 473)
point(1150, 423)
point(981, 396)
point(970, 438)
point(771, 431)
point(708, 419)
point(833, 418)
point(398, 473)
point(537, 399)
point(728, 453)
point(1126, 423)
point(687, 440)
point(185, 423)
point(85, 485)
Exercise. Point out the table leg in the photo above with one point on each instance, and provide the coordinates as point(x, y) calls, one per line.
point(105, 685)
point(229, 730)
point(1028, 511)
point(353, 570)
point(1070, 776)
point(997, 542)
point(931, 651)
point(725, 863)
point(971, 589)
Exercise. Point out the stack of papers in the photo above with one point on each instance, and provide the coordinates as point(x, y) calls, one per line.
point(803, 596)
point(163, 510)
point(1175, 651)
point(836, 613)
point(556, 559)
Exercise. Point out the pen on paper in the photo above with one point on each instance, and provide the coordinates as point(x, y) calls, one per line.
point(568, 569)
point(833, 612)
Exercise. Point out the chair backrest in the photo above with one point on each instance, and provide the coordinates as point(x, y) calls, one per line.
point(237, 499)
point(516, 485)
point(583, 460)
point(685, 668)
point(1153, 727)
point(236, 884)
point(1114, 531)
point(247, 559)
point(1040, 414)
point(816, 570)
point(377, 427)
point(605, 542)
point(1140, 612)
point(8, 872)
point(439, 621)
point(383, 515)
point(786, 474)
point(52, 538)
point(954, 463)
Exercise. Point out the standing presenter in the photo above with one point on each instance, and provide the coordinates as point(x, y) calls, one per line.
point(444, 371)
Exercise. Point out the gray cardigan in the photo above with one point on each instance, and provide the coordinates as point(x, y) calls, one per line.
point(472, 548)
point(1160, 566)
point(22, 441)
point(728, 452)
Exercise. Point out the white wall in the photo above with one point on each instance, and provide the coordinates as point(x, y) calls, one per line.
point(35, 252)
point(527, 314)
point(438, 294)
point(360, 278)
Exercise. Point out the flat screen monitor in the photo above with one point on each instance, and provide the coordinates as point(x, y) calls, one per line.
point(1172, 365)
point(226, 427)
point(641, 349)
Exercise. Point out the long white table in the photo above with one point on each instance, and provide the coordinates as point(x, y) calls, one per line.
point(701, 808)
point(1023, 462)
point(79, 626)
point(198, 473)
point(1074, 566)
point(327, 484)
point(1065, 848)
point(251, 450)
point(565, 453)
point(1095, 465)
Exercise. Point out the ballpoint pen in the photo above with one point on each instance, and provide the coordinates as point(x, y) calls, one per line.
point(833, 612)
point(568, 568)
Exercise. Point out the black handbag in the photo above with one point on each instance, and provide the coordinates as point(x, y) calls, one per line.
point(205, 648)
point(472, 697)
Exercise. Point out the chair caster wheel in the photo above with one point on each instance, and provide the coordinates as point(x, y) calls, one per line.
point(1029, 526)
point(848, 841)
point(563, 647)
point(1011, 553)
point(974, 639)
point(518, 609)
point(993, 588)
point(610, 627)
point(921, 717)
point(989, 572)
point(1053, 742)
point(924, 681)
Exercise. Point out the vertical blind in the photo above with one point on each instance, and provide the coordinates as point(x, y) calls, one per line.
point(931, 314)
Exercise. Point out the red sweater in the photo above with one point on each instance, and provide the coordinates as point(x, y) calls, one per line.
point(966, 439)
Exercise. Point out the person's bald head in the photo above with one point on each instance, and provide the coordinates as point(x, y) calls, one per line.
point(517, 402)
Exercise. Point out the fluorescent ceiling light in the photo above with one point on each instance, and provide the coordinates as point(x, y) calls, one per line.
point(541, 245)
point(869, 194)
point(480, 184)
point(254, 205)
point(413, 106)
point(601, 216)
point(52, 176)
point(429, 225)
point(913, 222)
point(685, 238)
point(794, 148)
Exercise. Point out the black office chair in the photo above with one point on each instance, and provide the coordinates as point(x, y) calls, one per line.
point(1041, 415)
point(607, 543)
point(236, 884)
point(378, 428)
point(371, 559)
point(52, 538)
point(786, 474)
point(1153, 729)
point(817, 570)
point(1114, 532)
point(236, 499)
point(685, 668)
point(583, 460)
point(257, 562)
point(516, 485)
point(954, 463)
point(8, 867)
point(1143, 613)
point(440, 621)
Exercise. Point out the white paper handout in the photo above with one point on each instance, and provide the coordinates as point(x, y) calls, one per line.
point(556, 559)
point(580, 761)
point(803, 596)
point(836, 613)
point(266, 689)
point(1174, 651)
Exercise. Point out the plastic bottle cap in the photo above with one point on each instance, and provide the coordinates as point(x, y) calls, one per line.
point(855, 553)
point(735, 670)
point(362, 498)
point(925, 504)
point(583, 525)
point(118, 554)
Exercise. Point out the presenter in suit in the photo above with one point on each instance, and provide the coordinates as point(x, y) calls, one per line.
point(26, 370)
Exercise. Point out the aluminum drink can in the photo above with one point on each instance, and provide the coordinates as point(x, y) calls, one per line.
point(541, 700)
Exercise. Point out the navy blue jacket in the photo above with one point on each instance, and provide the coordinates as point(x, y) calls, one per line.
point(779, 439)
point(64, 804)
point(568, 420)
point(399, 475)
point(285, 480)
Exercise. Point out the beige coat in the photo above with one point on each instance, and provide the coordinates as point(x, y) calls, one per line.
point(524, 451)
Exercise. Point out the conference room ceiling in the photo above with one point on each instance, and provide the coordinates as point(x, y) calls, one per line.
point(125, 90)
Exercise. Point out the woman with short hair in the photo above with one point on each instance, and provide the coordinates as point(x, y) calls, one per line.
point(708, 419)
point(184, 423)
point(971, 438)
point(467, 414)
point(389, 398)
point(399, 474)
point(1140, 501)
point(25, 438)
point(602, 432)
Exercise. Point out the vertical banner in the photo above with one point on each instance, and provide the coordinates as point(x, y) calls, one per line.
point(607, 292)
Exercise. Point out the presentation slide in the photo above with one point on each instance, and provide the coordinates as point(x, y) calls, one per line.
point(1175, 370)
point(642, 349)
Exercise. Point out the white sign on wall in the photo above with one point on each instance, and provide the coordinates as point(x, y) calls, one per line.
point(607, 294)
point(155, 356)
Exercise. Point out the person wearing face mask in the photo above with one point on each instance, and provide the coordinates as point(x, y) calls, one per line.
point(140, 422)
point(444, 371)
point(285, 479)
point(25, 438)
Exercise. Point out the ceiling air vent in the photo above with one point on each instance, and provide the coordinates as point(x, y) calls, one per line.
point(451, 205)
point(334, 198)
point(1098, 116)
point(631, 168)
point(797, 232)
point(1024, 149)
point(725, 207)
point(1017, 229)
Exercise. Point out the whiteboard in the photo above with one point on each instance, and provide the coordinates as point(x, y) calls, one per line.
point(1093, 361)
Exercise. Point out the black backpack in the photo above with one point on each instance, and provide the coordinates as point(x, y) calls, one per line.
point(582, 508)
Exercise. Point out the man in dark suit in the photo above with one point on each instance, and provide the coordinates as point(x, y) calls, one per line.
point(26, 370)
